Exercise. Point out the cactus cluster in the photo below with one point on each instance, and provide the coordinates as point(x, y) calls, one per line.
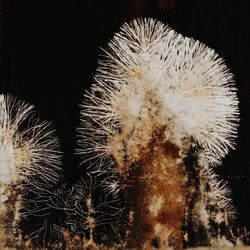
point(160, 116)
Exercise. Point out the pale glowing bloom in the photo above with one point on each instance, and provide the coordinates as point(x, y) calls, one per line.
point(151, 74)
point(156, 96)
point(30, 162)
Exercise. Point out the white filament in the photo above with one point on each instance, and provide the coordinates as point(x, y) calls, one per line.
point(148, 66)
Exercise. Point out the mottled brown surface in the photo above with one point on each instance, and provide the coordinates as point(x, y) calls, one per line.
point(158, 174)
point(9, 233)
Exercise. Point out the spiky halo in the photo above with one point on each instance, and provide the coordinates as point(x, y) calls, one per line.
point(29, 142)
point(190, 81)
point(30, 166)
point(151, 77)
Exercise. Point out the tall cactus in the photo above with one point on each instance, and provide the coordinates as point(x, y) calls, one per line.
point(161, 114)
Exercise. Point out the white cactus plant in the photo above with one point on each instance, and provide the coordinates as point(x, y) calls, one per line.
point(29, 162)
point(156, 96)
point(161, 114)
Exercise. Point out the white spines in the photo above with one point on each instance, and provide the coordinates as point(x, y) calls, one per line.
point(215, 204)
point(149, 68)
point(159, 94)
point(30, 163)
point(28, 145)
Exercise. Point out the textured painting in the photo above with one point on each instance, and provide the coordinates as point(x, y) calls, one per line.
point(150, 153)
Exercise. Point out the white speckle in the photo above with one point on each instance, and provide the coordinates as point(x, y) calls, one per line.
point(156, 204)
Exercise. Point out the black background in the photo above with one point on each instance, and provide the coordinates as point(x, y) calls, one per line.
point(49, 53)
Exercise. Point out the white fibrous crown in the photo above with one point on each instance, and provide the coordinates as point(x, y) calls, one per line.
point(30, 167)
point(28, 146)
point(152, 77)
point(30, 158)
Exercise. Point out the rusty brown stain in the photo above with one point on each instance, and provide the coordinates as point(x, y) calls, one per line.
point(149, 165)
point(158, 173)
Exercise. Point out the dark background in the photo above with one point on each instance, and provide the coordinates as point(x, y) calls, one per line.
point(49, 55)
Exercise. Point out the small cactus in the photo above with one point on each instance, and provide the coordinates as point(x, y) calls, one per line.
point(30, 162)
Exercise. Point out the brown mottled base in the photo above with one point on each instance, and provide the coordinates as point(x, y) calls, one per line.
point(158, 197)
point(9, 216)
